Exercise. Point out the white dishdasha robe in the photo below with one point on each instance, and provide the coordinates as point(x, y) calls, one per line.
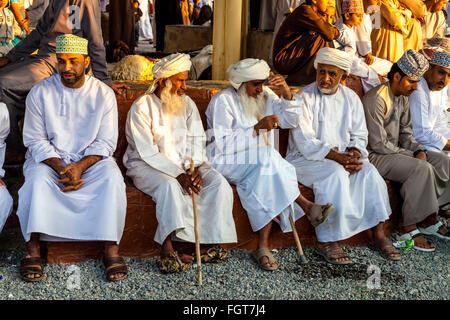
point(160, 146)
point(266, 183)
point(71, 124)
point(337, 122)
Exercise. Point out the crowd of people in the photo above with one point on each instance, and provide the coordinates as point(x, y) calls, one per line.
point(341, 146)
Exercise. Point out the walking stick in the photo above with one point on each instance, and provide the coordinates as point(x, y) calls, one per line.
point(197, 240)
point(303, 259)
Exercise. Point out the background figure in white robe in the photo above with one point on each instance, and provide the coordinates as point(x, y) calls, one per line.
point(145, 24)
point(328, 150)
point(164, 131)
point(429, 103)
point(6, 201)
point(366, 67)
point(73, 187)
point(434, 23)
point(246, 156)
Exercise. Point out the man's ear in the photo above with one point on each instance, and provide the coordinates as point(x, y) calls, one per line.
point(397, 77)
point(87, 61)
point(162, 83)
point(344, 77)
point(346, 16)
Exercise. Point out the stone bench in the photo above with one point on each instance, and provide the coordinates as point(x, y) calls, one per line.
point(140, 226)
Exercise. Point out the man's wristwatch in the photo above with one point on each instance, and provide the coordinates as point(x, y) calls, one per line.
point(420, 150)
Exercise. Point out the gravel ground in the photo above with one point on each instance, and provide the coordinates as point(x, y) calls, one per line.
point(417, 276)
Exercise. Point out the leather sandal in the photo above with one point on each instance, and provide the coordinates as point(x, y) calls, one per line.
point(386, 249)
point(264, 252)
point(331, 252)
point(214, 254)
point(172, 263)
point(319, 213)
point(28, 266)
point(115, 265)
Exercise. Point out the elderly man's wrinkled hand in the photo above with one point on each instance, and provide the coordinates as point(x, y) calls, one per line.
point(267, 123)
point(278, 80)
point(71, 177)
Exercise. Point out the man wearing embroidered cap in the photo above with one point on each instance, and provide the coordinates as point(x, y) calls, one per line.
point(164, 132)
point(328, 149)
point(241, 120)
point(424, 175)
point(73, 188)
point(429, 105)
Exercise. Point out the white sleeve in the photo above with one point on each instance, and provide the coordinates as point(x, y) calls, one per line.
point(139, 134)
point(228, 140)
point(422, 131)
point(304, 136)
point(4, 131)
point(106, 141)
point(288, 111)
point(34, 131)
point(196, 137)
point(359, 133)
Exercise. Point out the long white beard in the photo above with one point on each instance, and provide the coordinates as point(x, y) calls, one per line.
point(172, 103)
point(253, 108)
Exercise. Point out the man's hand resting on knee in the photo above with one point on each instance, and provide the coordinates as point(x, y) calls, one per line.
point(191, 182)
point(349, 161)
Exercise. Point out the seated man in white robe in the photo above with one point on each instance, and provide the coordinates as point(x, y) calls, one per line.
point(73, 190)
point(6, 201)
point(368, 67)
point(164, 132)
point(243, 151)
point(429, 103)
point(328, 150)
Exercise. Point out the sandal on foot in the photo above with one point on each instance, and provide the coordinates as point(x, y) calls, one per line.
point(172, 263)
point(28, 266)
point(331, 252)
point(215, 254)
point(433, 231)
point(319, 213)
point(385, 250)
point(410, 236)
point(115, 265)
point(264, 252)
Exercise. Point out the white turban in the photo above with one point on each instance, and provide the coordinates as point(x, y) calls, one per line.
point(248, 70)
point(334, 57)
point(169, 66)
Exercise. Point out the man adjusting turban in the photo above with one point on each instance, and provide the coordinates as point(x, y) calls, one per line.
point(248, 70)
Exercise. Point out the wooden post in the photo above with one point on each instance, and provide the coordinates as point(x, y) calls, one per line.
point(227, 36)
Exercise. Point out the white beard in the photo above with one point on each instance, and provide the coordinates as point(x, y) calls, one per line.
point(172, 103)
point(252, 108)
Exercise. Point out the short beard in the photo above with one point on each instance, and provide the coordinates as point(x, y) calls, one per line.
point(252, 108)
point(331, 90)
point(172, 103)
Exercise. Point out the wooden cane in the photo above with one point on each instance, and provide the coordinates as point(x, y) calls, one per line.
point(264, 134)
point(303, 259)
point(197, 239)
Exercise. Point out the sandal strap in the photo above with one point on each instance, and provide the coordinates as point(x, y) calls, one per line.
point(109, 261)
point(117, 269)
point(30, 270)
point(31, 261)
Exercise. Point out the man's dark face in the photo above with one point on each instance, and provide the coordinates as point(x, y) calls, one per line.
point(437, 77)
point(407, 85)
point(254, 88)
point(179, 83)
point(72, 68)
point(328, 78)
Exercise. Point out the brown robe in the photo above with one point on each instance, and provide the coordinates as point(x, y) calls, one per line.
point(122, 22)
point(301, 35)
point(425, 184)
